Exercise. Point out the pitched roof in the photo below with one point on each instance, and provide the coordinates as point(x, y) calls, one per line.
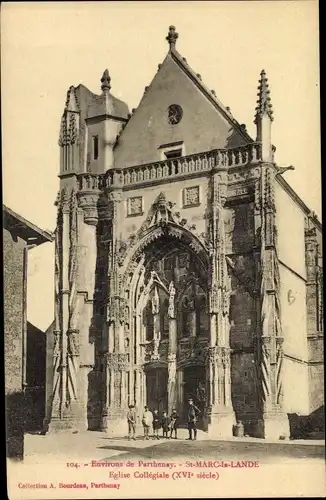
point(25, 229)
point(209, 94)
point(196, 79)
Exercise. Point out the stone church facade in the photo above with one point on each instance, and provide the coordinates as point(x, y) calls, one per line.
point(186, 266)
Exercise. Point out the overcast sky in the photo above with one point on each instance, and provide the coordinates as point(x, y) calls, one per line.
point(48, 47)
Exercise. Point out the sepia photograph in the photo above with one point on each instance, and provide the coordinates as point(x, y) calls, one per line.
point(162, 249)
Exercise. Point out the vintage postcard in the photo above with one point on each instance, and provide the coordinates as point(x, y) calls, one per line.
point(163, 278)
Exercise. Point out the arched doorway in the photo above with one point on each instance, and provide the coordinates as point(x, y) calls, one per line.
point(169, 319)
point(194, 377)
point(156, 387)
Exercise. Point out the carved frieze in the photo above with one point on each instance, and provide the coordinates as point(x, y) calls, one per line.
point(191, 196)
point(135, 206)
point(155, 351)
point(219, 356)
point(191, 351)
point(243, 175)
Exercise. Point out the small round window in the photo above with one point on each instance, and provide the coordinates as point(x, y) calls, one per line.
point(174, 114)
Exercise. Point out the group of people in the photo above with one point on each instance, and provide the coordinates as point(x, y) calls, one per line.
point(168, 424)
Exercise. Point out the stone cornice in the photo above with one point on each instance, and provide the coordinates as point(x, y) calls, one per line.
point(105, 116)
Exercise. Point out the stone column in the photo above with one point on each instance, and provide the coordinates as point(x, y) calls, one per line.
point(76, 253)
point(180, 395)
point(219, 415)
point(58, 414)
point(157, 325)
point(66, 405)
point(311, 261)
point(82, 318)
point(274, 422)
point(172, 352)
point(114, 405)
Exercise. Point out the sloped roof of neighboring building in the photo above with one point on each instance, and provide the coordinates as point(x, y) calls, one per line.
point(24, 228)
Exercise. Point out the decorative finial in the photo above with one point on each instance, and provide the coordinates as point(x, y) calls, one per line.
point(264, 102)
point(105, 81)
point(172, 37)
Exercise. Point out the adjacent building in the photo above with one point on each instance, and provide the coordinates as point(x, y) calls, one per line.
point(186, 266)
point(19, 236)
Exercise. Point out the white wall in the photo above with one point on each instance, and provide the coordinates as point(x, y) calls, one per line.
point(290, 227)
point(293, 313)
point(295, 386)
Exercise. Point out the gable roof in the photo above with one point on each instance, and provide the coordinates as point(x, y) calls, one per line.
point(25, 229)
point(196, 79)
point(209, 94)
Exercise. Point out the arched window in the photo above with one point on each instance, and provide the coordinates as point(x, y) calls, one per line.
point(149, 321)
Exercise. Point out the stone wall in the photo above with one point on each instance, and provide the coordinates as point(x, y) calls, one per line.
point(316, 372)
point(174, 192)
point(35, 378)
point(290, 221)
point(295, 386)
point(244, 389)
point(293, 311)
point(201, 128)
point(13, 251)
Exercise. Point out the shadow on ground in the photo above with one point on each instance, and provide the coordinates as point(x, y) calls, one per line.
point(213, 450)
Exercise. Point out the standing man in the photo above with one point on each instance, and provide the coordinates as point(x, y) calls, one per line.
point(131, 419)
point(174, 423)
point(192, 417)
point(156, 424)
point(147, 421)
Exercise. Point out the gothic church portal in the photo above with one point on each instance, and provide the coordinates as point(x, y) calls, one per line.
point(173, 275)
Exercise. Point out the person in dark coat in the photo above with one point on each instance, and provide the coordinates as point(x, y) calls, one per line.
point(156, 424)
point(174, 424)
point(192, 418)
point(165, 424)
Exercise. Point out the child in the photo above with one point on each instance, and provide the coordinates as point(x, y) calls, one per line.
point(165, 425)
point(156, 424)
point(174, 423)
